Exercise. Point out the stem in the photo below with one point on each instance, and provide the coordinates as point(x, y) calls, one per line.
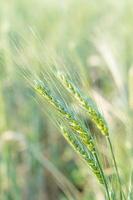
point(102, 173)
point(115, 165)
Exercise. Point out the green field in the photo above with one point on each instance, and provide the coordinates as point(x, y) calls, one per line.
point(86, 43)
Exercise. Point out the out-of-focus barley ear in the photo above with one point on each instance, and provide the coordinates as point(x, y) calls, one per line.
point(76, 144)
point(94, 115)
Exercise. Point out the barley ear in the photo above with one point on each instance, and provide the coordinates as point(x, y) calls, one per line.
point(76, 144)
point(94, 115)
point(73, 123)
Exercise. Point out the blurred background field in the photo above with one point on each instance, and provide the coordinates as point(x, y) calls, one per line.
point(92, 38)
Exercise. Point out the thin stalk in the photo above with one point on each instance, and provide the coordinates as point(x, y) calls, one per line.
point(115, 165)
point(102, 173)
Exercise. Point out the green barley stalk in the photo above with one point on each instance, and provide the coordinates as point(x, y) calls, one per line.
point(130, 194)
point(75, 126)
point(95, 116)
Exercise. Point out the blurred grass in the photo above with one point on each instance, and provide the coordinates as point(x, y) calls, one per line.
point(93, 39)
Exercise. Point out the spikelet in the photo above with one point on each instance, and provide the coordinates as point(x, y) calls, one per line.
point(74, 142)
point(95, 116)
point(74, 124)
